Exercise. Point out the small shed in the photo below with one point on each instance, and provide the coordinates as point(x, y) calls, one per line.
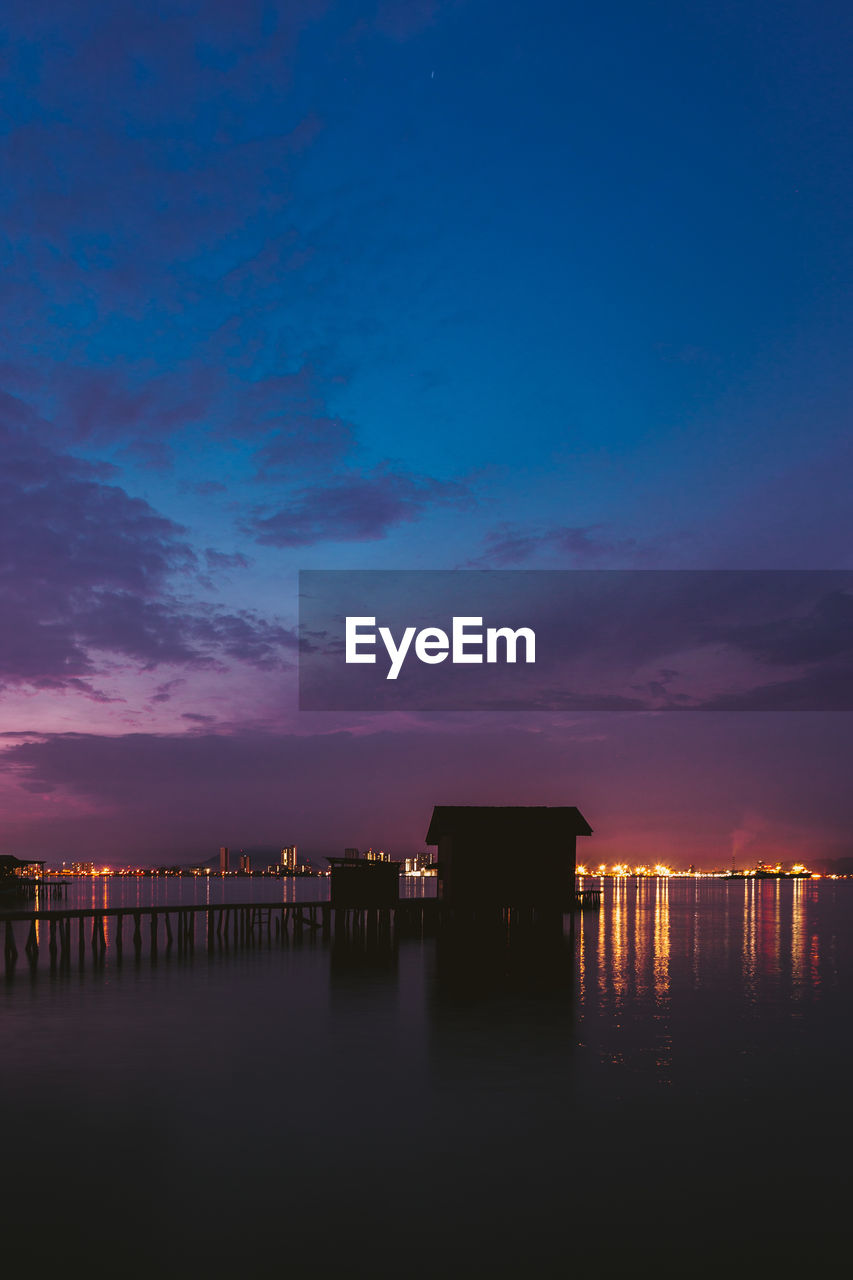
point(508, 856)
point(364, 882)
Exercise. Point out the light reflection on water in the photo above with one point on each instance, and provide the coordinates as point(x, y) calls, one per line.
point(686, 1050)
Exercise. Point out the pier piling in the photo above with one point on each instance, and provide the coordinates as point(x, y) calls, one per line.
point(238, 924)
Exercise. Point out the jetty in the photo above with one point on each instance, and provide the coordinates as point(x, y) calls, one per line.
point(64, 933)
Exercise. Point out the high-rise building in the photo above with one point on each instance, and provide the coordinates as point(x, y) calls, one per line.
point(245, 863)
point(350, 853)
point(418, 865)
point(288, 857)
point(223, 859)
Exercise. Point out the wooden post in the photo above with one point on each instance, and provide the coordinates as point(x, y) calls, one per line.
point(168, 919)
point(9, 947)
point(154, 919)
point(137, 933)
point(32, 944)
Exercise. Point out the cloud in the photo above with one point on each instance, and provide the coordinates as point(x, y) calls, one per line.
point(220, 560)
point(87, 570)
point(507, 544)
point(188, 793)
point(824, 632)
point(352, 508)
point(605, 639)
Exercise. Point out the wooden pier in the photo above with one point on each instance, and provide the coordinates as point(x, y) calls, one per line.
point(66, 933)
point(14, 888)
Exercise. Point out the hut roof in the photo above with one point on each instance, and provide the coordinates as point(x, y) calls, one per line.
point(506, 822)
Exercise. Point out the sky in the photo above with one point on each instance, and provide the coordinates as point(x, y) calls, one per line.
point(407, 284)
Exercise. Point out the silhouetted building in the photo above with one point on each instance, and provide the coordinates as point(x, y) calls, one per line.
point(223, 858)
point(507, 855)
point(363, 882)
point(18, 879)
point(21, 868)
point(350, 853)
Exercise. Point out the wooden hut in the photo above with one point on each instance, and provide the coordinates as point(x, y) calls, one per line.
point(508, 856)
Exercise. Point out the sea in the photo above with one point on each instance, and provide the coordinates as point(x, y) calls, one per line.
point(662, 1085)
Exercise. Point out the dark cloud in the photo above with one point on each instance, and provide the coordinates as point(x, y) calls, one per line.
point(605, 639)
point(101, 404)
point(219, 560)
point(823, 632)
point(165, 691)
point(152, 208)
point(195, 791)
point(148, 163)
point(509, 544)
point(84, 568)
point(355, 508)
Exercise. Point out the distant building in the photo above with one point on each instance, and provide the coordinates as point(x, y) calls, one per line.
point(419, 865)
point(288, 858)
point(350, 853)
point(82, 868)
point(507, 855)
point(245, 864)
point(371, 855)
point(223, 859)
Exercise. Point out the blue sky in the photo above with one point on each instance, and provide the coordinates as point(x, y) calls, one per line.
point(398, 284)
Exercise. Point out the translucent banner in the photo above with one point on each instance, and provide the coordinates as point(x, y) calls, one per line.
point(576, 640)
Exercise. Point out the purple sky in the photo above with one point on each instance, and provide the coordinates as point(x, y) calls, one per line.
point(406, 284)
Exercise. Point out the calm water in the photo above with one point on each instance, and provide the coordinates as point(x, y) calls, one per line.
point(669, 1087)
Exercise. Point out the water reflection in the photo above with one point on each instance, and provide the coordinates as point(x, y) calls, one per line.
point(661, 946)
point(649, 1062)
